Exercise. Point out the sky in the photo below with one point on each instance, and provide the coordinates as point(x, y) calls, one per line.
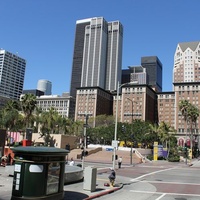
point(43, 33)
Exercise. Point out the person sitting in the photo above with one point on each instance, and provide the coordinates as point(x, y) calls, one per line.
point(9, 159)
point(4, 160)
point(112, 177)
point(71, 162)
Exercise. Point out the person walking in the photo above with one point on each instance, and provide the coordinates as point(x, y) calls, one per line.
point(119, 162)
point(112, 178)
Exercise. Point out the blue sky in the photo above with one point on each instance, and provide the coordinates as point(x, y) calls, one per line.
point(43, 31)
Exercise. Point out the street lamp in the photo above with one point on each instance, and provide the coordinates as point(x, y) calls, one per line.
point(115, 142)
point(85, 133)
point(131, 153)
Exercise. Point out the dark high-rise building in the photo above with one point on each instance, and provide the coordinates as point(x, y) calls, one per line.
point(97, 55)
point(154, 71)
point(36, 92)
point(78, 55)
point(126, 76)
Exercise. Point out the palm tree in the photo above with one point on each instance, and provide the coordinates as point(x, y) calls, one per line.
point(183, 108)
point(153, 132)
point(165, 132)
point(28, 105)
point(48, 124)
point(11, 119)
point(191, 114)
point(37, 119)
point(78, 128)
point(11, 116)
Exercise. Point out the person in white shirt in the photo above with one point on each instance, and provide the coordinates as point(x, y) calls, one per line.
point(120, 162)
point(71, 162)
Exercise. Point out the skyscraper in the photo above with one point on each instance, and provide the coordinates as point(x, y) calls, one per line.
point(154, 71)
point(114, 55)
point(12, 72)
point(94, 53)
point(97, 55)
point(187, 62)
point(78, 55)
point(44, 86)
point(186, 81)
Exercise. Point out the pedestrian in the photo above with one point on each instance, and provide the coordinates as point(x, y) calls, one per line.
point(9, 159)
point(112, 177)
point(72, 162)
point(4, 160)
point(119, 162)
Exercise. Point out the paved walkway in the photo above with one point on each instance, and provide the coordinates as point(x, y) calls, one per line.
point(75, 191)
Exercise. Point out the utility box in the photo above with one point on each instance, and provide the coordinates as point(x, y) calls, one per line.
point(90, 177)
point(38, 173)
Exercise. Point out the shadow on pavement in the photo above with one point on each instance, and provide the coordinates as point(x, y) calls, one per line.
point(71, 195)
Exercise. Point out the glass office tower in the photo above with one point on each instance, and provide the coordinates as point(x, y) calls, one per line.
point(12, 72)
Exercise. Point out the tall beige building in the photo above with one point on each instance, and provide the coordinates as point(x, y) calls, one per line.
point(186, 80)
point(187, 62)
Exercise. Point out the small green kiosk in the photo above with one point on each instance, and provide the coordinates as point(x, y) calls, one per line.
point(38, 173)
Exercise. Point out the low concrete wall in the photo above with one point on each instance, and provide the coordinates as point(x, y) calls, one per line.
point(73, 174)
point(60, 140)
point(90, 151)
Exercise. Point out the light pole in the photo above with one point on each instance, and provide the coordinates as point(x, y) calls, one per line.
point(85, 133)
point(131, 153)
point(85, 130)
point(115, 142)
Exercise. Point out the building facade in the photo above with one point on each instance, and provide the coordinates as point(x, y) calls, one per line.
point(114, 55)
point(166, 107)
point(91, 102)
point(60, 103)
point(191, 92)
point(36, 92)
point(97, 55)
point(154, 70)
point(44, 86)
point(187, 62)
point(136, 102)
point(12, 72)
point(138, 75)
point(78, 55)
point(186, 81)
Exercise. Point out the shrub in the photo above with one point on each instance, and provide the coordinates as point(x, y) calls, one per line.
point(174, 159)
point(150, 157)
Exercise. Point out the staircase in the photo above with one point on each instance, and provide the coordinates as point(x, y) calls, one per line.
point(101, 155)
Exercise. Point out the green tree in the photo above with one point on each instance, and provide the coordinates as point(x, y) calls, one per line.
point(11, 119)
point(152, 135)
point(165, 133)
point(28, 105)
point(190, 113)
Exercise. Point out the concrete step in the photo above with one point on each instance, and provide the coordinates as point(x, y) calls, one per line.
point(104, 156)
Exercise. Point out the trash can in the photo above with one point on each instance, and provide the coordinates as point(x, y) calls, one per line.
point(38, 173)
point(90, 177)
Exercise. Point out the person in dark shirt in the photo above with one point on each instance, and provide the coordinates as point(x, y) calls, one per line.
point(9, 160)
point(112, 177)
